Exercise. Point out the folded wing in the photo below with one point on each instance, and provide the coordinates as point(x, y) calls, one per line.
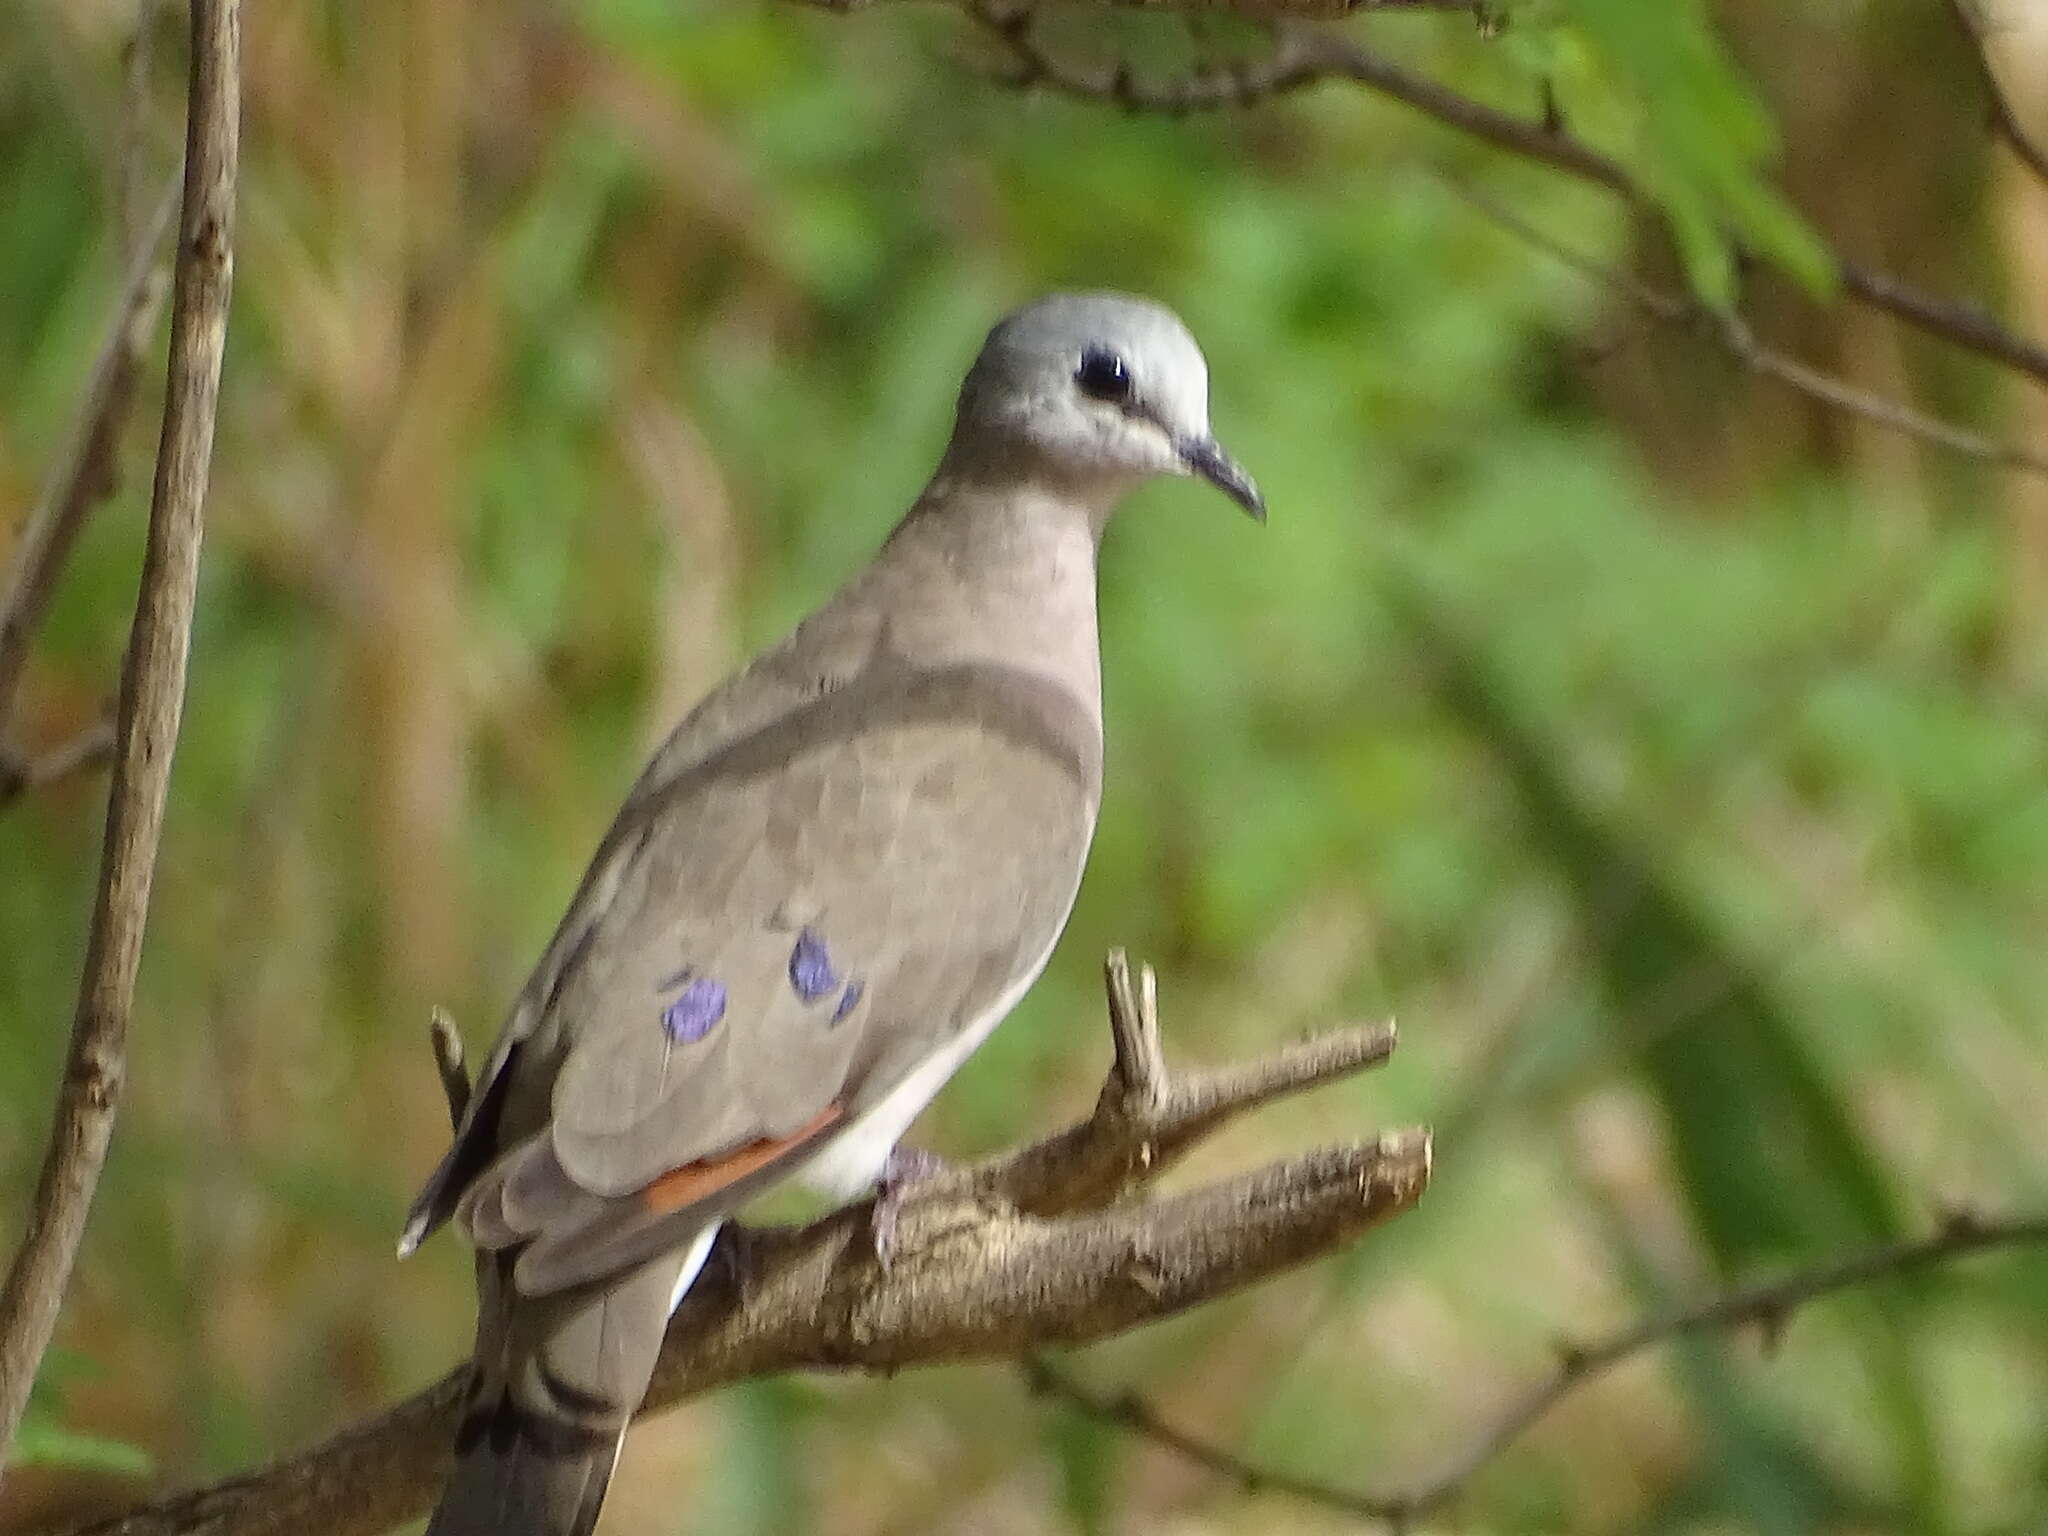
point(795, 924)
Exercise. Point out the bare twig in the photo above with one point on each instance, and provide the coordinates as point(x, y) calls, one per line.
point(1878, 410)
point(1302, 57)
point(1131, 1413)
point(2003, 119)
point(1740, 342)
point(972, 1276)
point(1146, 1119)
point(91, 748)
point(1769, 1304)
point(152, 699)
point(129, 189)
point(83, 472)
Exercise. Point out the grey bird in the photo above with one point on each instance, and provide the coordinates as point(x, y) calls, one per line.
point(827, 887)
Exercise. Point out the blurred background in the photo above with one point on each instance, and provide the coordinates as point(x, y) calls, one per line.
point(1665, 750)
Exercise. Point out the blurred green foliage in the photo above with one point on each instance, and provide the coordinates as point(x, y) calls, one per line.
point(1666, 754)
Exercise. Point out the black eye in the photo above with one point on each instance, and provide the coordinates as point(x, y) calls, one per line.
point(1103, 376)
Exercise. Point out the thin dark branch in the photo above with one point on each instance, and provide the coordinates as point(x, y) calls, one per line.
point(1963, 324)
point(1131, 1413)
point(971, 1277)
point(1768, 1304)
point(152, 700)
point(83, 472)
point(1302, 57)
point(1740, 343)
point(131, 212)
point(2003, 120)
point(90, 749)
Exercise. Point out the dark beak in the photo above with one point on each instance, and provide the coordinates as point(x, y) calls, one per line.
point(1204, 456)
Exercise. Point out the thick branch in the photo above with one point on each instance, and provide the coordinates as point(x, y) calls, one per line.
point(1769, 1304)
point(970, 1277)
point(1303, 57)
point(152, 699)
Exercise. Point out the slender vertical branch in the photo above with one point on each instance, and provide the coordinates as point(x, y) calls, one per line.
point(146, 731)
point(84, 469)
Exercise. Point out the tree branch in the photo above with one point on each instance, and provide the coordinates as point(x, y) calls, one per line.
point(91, 748)
point(2004, 121)
point(1302, 57)
point(83, 472)
point(1145, 1120)
point(971, 1276)
point(1739, 342)
point(146, 733)
point(1769, 1304)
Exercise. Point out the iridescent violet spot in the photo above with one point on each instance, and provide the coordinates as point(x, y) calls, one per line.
point(691, 1016)
point(810, 967)
point(849, 999)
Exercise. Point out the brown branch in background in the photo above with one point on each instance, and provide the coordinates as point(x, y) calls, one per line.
point(1130, 1413)
point(131, 213)
point(146, 732)
point(1740, 342)
point(1769, 1305)
point(1301, 57)
point(90, 749)
point(973, 1274)
point(2004, 121)
point(83, 471)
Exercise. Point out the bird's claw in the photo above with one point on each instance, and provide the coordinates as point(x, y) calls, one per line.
point(906, 1168)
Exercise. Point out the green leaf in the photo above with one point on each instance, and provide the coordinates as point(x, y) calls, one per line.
point(1707, 143)
point(42, 1444)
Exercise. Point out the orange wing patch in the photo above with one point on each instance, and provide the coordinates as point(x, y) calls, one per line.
point(694, 1181)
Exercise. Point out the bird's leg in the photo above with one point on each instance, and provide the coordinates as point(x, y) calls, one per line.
point(904, 1169)
point(734, 1250)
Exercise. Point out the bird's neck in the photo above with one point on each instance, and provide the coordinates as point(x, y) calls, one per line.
point(1003, 576)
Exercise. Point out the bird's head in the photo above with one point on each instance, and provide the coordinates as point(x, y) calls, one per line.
point(1094, 392)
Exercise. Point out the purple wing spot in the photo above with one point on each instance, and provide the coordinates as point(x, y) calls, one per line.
point(691, 1016)
point(810, 967)
point(849, 999)
point(670, 983)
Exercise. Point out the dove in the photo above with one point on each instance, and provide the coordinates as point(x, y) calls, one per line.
point(827, 887)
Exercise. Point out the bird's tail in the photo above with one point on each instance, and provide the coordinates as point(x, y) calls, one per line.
point(519, 1472)
point(557, 1379)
